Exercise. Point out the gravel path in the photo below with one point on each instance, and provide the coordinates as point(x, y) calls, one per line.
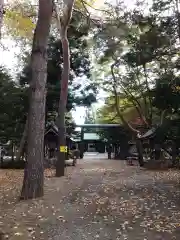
point(100, 199)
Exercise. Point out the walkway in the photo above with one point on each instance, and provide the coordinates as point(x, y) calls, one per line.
point(95, 156)
point(99, 199)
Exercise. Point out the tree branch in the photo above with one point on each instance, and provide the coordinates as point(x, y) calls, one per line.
point(163, 113)
point(142, 93)
point(133, 99)
point(148, 90)
point(120, 115)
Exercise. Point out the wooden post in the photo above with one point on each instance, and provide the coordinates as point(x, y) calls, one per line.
point(82, 143)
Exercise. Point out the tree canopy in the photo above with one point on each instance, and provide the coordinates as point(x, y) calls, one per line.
point(137, 52)
point(82, 92)
point(13, 108)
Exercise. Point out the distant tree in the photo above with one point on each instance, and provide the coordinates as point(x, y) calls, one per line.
point(89, 119)
point(138, 54)
point(81, 91)
point(13, 108)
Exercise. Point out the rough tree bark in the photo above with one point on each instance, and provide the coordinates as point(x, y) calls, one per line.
point(1, 14)
point(62, 24)
point(33, 183)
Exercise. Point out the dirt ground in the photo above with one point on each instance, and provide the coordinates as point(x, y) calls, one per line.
point(97, 199)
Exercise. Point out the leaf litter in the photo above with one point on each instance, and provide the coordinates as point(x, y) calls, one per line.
point(133, 204)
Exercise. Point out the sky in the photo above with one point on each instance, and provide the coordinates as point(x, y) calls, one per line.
point(8, 54)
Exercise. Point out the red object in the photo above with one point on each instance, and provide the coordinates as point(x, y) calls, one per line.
point(137, 121)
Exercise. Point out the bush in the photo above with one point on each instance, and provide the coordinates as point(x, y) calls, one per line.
point(13, 165)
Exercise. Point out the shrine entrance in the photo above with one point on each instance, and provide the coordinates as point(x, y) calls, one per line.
point(90, 141)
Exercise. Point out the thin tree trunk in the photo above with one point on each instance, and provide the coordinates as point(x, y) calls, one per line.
point(178, 17)
point(1, 156)
point(149, 108)
point(140, 152)
point(163, 115)
point(126, 124)
point(62, 24)
point(132, 130)
point(143, 95)
point(12, 149)
point(120, 115)
point(60, 167)
point(33, 183)
point(22, 142)
point(1, 15)
point(133, 99)
point(174, 154)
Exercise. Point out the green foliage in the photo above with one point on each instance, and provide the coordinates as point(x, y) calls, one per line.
point(14, 95)
point(13, 108)
point(77, 94)
point(167, 93)
point(81, 91)
point(89, 119)
point(145, 60)
point(19, 21)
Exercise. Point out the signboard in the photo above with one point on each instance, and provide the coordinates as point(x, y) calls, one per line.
point(63, 149)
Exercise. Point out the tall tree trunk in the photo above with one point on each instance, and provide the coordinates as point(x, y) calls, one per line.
point(62, 24)
point(1, 15)
point(60, 167)
point(33, 183)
